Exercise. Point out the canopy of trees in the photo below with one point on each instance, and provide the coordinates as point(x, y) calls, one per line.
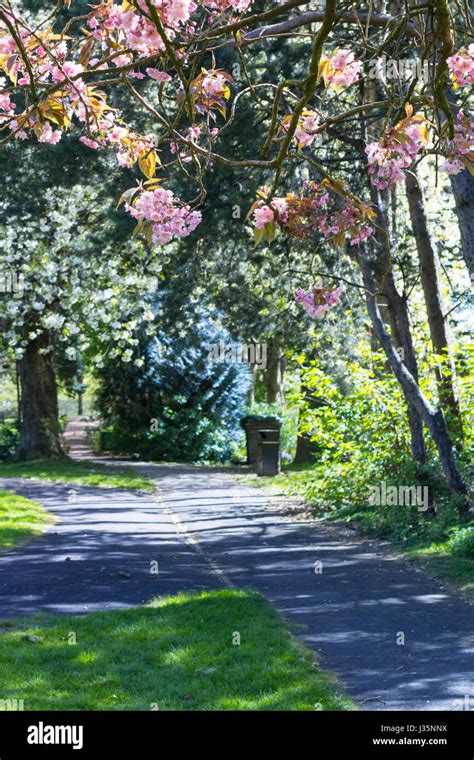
point(301, 171)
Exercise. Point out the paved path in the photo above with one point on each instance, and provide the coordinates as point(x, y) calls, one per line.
point(212, 532)
point(82, 562)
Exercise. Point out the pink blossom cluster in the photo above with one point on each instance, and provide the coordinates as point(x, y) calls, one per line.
point(461, 147)
point(107, 131)
point(278, 211)
point(328, 214)
point(114, 26)
point(316, 212)
point(7, 106)
point(47, 67)
point(103, 124)
point(341, 70)
point(462, 66)
point(306, 128)
point(396, 152)
point(210, 91)
point(317, 301)
point(49, 64)
point(167, 217)
point(326, 217)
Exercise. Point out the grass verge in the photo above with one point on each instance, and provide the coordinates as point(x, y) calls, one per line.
point(78, 473)
point(20, 519)
point(178, 653)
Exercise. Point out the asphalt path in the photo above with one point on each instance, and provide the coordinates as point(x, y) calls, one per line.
point(396, 638)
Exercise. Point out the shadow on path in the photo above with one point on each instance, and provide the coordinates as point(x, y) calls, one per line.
point(354, 609)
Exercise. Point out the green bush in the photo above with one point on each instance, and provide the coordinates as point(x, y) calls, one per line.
point(461, 542)
point(9, 438)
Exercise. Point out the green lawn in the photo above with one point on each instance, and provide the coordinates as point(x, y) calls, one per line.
point(78, 473)
point(175, 654)
point(20, 519)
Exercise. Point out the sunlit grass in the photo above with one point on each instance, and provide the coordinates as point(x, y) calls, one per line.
point(437, 560)
point(20, 519)
point(176, 654)
point(78, 473)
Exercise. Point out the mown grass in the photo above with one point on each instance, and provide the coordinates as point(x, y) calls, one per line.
point(20, 519)
point(179, 653)
point(77, 473)
point(425, 540)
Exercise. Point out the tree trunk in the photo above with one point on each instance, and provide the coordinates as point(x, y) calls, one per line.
point(40, 432)
point(396, 304)
point(400, 327)
point(274, 372)
point(430, 280)
point(462, 185)
point(304, 450)
point(463, 191)
point(397, 312)
point(433, 418)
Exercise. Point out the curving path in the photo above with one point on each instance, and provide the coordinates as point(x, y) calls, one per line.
point(209, 532)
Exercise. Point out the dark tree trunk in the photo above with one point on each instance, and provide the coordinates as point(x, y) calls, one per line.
point(433, 418)
point(275, 371)
point(462, 185)
point(463, 191)
point(397, 312)
point(40, 432)
point(304, 450)
point(430, 280)
point(400, 328)
point(396, 304)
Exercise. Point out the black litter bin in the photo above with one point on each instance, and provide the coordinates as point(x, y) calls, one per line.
point(268, 452)
point(252, 425)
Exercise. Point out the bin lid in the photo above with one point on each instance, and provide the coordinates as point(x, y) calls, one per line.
point(255, 419)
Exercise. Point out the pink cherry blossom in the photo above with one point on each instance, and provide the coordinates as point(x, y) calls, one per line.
point(342, 69)
point(263, 215)
point(161, 76)
point(49, 135)
point(318, 301)
point(166, 216)
point(458, 150)
point(90, 143)
point(389, 157)
point(306, 129)
point(462, 66)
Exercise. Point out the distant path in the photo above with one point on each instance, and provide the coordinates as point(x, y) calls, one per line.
point(77, 439)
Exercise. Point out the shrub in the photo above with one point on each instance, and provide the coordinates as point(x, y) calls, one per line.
point(461, 542)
